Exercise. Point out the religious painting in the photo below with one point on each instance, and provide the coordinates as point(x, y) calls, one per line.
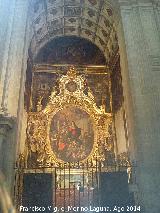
point(71, 134)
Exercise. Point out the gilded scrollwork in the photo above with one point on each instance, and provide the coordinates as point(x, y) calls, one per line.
point(39, 104)
point(71, 95)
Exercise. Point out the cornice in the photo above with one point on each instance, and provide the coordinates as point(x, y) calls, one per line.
point(143, 3)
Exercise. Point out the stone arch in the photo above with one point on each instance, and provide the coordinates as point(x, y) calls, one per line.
point(70, 50)
point(97, 21)
point(93, 20)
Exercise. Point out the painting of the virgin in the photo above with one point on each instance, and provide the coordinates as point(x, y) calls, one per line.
point(71, 134)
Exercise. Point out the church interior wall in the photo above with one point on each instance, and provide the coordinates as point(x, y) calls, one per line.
point(140, 65)
point(128, 101)
point(138, 34)
point(15, 71)
point(120, 132)
point(13, 67)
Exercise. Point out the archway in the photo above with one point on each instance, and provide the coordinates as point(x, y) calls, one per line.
point(100, 66)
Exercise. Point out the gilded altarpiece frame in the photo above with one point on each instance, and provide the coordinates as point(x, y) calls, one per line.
point(72, 94)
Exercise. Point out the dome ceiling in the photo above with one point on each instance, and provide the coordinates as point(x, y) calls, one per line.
point(90, 19)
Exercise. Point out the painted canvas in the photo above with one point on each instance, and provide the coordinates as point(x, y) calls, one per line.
point(71, 134)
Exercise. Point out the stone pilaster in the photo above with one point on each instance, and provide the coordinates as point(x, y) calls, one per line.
point(142, 42)
point(6, 133)
point(6, 23)
point(14, 55)
point(6, 124)
point(14, 43)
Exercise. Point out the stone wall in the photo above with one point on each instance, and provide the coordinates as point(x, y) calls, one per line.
point(142, 40)
point(14, 50)
point(139, 43)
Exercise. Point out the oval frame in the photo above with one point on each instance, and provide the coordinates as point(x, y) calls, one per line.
point(94, 123)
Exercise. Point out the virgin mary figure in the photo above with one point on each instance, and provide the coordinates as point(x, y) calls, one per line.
point(74, 133)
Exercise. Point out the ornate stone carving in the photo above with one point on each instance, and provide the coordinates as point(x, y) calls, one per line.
point(98, 15)
point(72, 11)
point(93, 2)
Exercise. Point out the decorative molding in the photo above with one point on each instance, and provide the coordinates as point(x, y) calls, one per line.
point(155, 63)
point(129, 4)
point(93, 20)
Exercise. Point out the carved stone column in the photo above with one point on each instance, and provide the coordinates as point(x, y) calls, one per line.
point(142, 41)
